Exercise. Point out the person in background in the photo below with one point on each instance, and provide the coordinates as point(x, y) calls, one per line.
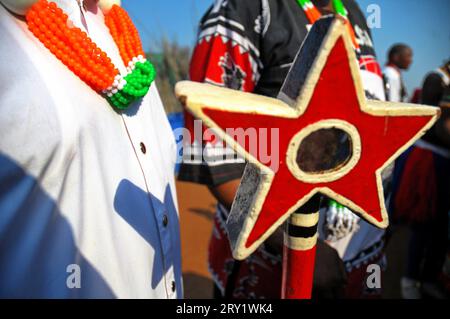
point(416, 96)
point(250, 45)
point(421, 196)
point(400, 58)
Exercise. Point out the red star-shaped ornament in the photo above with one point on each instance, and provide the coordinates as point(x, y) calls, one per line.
point(323, 90)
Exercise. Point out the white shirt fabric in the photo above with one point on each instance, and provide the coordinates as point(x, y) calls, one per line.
point(394, 80)
point(81, 205)
point(351, 246)
point(373, 84)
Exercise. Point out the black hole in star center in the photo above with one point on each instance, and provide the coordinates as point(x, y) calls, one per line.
point(324, 150)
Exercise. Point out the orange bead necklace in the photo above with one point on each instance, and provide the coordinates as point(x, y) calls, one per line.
point(82, 56)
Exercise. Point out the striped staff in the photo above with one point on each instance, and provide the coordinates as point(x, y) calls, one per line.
point(300, 238)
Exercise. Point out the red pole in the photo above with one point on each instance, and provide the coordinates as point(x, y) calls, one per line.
point(300, 238)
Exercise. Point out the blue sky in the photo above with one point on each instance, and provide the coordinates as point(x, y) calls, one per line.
point(423, 24)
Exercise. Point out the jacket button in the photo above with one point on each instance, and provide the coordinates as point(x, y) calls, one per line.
point(165, 220)
point(143, 148)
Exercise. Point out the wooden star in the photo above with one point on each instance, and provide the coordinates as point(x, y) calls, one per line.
point(323, 91)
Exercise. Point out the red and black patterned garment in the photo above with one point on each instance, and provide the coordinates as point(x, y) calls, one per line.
point(250, 45)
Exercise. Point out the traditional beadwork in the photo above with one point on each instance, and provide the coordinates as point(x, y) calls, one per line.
point(313, 14)
point(82, 56)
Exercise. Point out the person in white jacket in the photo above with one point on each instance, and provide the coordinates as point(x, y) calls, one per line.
point(87, 193)
point(400, 58)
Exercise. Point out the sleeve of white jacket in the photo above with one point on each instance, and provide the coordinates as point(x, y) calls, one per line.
point(395, 85)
